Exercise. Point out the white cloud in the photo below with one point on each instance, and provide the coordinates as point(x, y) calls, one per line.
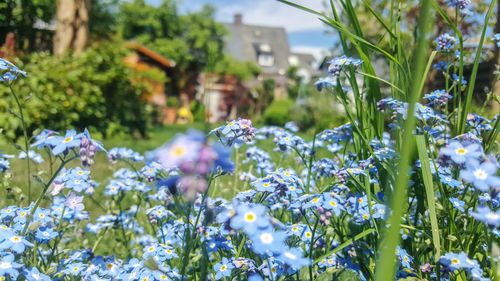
point(274, 13)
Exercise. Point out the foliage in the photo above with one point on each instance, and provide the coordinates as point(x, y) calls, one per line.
point(19, 16)
point(278, 112)
point(241, 70)
point(173, 102)
point(79, 91)
point(317, 111)
point(194, 41)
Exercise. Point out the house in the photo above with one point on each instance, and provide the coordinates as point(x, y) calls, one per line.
point(267, 47)
point(154, 69)
point(225, 97)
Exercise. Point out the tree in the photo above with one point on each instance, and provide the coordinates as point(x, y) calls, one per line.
point(194, 41)
point(72, 29)
point(19, 17)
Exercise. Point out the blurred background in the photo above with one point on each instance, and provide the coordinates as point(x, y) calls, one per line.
point(142, 67)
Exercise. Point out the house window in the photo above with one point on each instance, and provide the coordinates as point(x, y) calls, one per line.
point(266, 59)
point(265, 56)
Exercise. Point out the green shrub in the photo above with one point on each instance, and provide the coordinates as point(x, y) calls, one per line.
point(317, 111)
point(278, 113)
point(93, 89)
point(173, 102)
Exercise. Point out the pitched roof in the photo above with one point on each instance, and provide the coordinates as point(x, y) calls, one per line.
point(163, 61)
point(245, 42)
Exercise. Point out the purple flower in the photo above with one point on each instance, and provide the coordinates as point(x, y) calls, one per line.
point(8, 266)
point(445, 42)
point(9, 72)
point(481, 175)
point(294, 258)
point(223, 269)
point(74, 202)
point(41, 139)
point(457, 204)
point(325, 82)
point(181, 150)
point(340, 63)
point(88, 148)
point(454, 261)
point(10, 240)
point(268, 241)
point(487, 216)
point(250, 218)
point(235, 132)
point(459, 153)
point(63, 144)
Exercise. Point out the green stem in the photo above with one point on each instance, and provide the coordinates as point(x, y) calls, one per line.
point(26, 140)
point(44, 191)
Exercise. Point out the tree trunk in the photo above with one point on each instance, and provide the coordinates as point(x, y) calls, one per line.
point(72, 26)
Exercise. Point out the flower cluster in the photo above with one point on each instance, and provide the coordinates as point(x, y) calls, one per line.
point(335, 68)
point(438, 98)
point(463, 5)
point(195, 158)
point(288, 206)
point(445, 43)
point(9, 72)
point(235, 132)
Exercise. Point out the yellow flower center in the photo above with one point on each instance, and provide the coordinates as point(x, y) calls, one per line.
point(68, 139)
point(223, 267)
point(250, 217)
point(15, 239)
point(461, 151)
point(178, 151)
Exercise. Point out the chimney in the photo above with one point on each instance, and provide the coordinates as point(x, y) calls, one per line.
point(238, 18)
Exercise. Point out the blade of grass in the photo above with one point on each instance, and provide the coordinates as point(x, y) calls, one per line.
point(302, 8)
point(386, 262)
point(427, 69)
point(333, 23)
point(379, 19)
point(340, 27)
point(472, 82)
point(345, 244)
point(429, 191)
point(381, 80)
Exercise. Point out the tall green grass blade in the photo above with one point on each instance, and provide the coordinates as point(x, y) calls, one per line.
point(490, 142)
point(429, 191)
point(302, 8)
point(379, 19)
point(381, 80)
point(427, 69)
point(449, 22)
point(472, 79)
point(345, 244)
point(340, 27)
point(386, 262)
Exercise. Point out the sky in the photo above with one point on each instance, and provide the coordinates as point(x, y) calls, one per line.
point(306, 33)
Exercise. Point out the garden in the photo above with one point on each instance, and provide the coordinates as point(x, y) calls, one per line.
point(402, 185)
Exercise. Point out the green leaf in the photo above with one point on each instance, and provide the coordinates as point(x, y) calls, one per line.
point(429, 191)
point(472, 82)
point(386, 262)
